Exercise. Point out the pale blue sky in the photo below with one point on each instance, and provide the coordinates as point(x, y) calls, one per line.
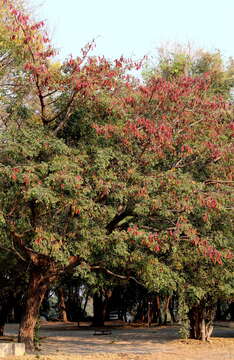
point(138, 27)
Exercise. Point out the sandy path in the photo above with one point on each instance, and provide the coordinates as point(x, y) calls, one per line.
point(132, 343)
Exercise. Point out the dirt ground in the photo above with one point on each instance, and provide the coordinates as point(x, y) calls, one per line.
point(69, 342)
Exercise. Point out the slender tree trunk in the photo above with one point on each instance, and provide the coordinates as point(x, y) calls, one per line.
point(219, 315)
point(149, 313)
point(139, 310)
point(3, 318)
point(166, 302)
point(171, 309)
point(62, 305)
point(232, 311)
point(2, 329)
point(35, 294)
point(85, 305)
point(6, 307)
point(158, 308)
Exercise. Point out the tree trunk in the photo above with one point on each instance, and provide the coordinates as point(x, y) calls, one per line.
point(171, 309)
point(139, 310)
point(219, 315)
point(98, 310)
point(6, 307)
point(3, 318)
point(166, 302)
point(149, 313)
point(158, 310)
point(85, 305)
point(201, 319)
point(232, 311)
point(35, 294)
point(106, 304)
point(62, 305)
point(2, 329)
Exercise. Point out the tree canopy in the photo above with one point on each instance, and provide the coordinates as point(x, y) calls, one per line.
point(103, 172)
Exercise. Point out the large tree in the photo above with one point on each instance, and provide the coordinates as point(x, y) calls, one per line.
point(140, 185)
point(51, 211)
point(180, 166)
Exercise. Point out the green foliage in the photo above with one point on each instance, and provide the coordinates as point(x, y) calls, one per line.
point(118, 177)
point(183, 315)
point(39, 179)
point(36, 339)
point(179, 61)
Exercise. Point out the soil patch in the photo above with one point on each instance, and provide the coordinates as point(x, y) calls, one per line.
point(69, 342)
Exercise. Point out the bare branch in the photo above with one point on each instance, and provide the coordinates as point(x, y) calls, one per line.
point(50, 93)
point(13, 250)
point(124, 277)
point(219, 182)
point(119, 217)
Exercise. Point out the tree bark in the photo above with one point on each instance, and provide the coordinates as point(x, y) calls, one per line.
point(98, 310)
point(171, 309)
point(62, 305)
point(6, 307)
point(232, 310)
point(100, 307)
point(2, 329)
point(3, 318)
point(158, 310)
point(149, 313)
point(35, 294)
point(201, 322)
point(85, 305)
point(219, 315)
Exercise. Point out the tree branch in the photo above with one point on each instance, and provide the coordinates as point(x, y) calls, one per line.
point(13, 250)
point(123, 277)
point(119, 217)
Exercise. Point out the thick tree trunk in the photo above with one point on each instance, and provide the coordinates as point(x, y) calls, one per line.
point(62, 305)
point(98, 310)
point(35, 294)
point(106, 305)
point(100, 307)
point(201, 319)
